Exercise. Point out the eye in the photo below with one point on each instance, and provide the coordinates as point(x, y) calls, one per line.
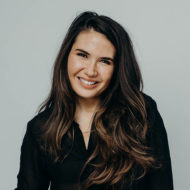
point(106, 62)
point(82, 55)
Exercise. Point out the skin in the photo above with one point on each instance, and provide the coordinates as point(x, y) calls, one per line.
point(90, 59)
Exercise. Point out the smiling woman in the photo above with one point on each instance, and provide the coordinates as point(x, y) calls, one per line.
point(97, 130)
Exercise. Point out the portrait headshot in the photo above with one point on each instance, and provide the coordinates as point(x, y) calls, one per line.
point(95, 95)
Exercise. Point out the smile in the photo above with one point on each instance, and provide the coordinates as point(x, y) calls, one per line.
point(87, 82)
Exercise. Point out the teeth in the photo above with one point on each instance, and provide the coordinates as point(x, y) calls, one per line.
point(87, 82)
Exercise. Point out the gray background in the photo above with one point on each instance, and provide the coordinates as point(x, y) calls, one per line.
point(30, 36)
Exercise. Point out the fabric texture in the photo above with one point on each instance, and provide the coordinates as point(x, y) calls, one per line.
point(38, 172)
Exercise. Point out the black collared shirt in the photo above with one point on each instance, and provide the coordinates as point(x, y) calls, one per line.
point(37, 172)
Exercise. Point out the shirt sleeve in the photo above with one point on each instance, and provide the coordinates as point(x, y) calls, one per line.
point(159, 179)
point(32, 174)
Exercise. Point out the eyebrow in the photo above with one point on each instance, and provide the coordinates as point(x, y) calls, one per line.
point(105, 58)
point(83, 51)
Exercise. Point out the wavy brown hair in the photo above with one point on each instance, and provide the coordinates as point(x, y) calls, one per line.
point(120, 124)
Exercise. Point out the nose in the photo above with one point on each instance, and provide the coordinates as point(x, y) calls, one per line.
point(91, 69)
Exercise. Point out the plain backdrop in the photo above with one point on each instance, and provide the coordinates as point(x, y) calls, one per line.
point(31, 33)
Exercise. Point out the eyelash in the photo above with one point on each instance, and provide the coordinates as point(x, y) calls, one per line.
point(106, 62)
point(82, 55)
point(85, 56)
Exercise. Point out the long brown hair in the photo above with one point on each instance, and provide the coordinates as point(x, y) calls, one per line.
point(121, 122)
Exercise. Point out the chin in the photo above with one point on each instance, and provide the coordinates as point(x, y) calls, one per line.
point(87, 97)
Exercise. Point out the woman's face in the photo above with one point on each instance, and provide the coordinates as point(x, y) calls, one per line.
point(90, 64)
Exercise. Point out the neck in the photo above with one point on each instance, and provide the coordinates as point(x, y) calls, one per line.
point(87, 105)
point(85, 110)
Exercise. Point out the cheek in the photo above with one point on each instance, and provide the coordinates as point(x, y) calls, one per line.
point(107, 73)
point(73, 65)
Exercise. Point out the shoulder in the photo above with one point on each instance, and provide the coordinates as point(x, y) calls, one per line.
point(155, 122)
point(35, 125)
point(154, 118)
point(149, 101)
point(151, 107)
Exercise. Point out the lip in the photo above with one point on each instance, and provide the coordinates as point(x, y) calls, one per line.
point(89, 80)
point(86, 86)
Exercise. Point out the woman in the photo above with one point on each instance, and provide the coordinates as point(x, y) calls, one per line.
point(97, 129)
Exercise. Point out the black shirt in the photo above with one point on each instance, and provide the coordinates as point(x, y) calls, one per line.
point(38, 172)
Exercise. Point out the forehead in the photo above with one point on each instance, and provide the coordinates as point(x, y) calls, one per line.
point(94, 43)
